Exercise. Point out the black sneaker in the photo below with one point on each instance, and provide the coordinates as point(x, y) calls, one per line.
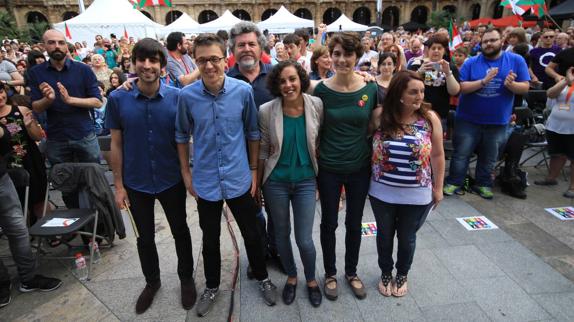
point(5, 294)
point(39, 282)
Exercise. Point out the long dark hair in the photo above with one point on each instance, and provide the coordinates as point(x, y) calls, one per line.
point(392, 106)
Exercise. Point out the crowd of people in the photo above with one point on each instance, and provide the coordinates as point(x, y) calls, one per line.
point(267, 124)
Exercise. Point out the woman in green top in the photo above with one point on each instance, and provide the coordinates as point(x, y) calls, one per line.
point(344, 157)
point(289, 127)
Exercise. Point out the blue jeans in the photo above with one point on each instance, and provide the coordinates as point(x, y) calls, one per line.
point(405, 221)
point(356, 188)
point(302, 197)
point(485, 140)
point(85, 150)
point(14, 227)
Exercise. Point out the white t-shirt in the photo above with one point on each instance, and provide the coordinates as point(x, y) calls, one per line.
point(366, 58)
point(6, 68)
point(561, 119)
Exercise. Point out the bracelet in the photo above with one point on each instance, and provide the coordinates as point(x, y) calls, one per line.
point(252, 167)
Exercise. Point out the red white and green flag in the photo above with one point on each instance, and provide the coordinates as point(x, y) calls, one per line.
point(518, 7)
point(126, 36)
point(67, 30)
point(150, 3)
point(539, 8)
point(455, 38)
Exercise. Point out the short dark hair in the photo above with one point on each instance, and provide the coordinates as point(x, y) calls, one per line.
point(350, 42)
point(274, 81)
point(32, 55)
point(173, 39)
point(223, 34)
point(317, 53)
point(441, 39)
point(302, 33)
point(292, 39)
point(148, 48)
point(204, 40)
point(384, 55)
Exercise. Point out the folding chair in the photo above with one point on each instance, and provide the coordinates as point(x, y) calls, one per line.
point(83, 217)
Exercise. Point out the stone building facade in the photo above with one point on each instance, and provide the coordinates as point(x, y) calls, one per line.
point(395, 12)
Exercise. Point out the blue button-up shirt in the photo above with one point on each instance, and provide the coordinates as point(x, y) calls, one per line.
point(66, 122)
point(219, 125)
point(150, 162)
point(259, 84)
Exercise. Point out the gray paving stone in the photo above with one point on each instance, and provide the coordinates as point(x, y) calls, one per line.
point(502, 299)
point(458, 312)
point(430, 283)
point(538, 240)
point(455, 234)
point(454, 207)
point(344, 309)
point(429, 238)
point(559, 305)
point(467, 262)
point(525, 268)
point(379, 308)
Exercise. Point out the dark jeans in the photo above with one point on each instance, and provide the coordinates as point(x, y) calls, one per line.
point(14, 227)
point(172, 201)
point(244, 211)
point(486, 140)
point(405, 221)
point(85, 150)
point(356, 187)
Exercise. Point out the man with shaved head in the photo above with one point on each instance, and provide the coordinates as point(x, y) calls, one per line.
point(67, 91)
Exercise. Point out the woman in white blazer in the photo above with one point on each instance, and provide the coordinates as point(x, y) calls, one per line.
point(289, 127)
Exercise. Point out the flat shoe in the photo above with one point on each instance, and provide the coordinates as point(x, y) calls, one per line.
point(546, 182)
point(314, 295)
point(330, 288)
point(568, 194)
point(357, 287)
point(289, 292)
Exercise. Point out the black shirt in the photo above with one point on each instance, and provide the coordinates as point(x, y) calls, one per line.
point(564, 60)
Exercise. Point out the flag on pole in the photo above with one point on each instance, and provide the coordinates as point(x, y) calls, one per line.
point(455, 38)
point(519, 7)
point(126, 33)
point(149, 3)
point(68, 34)
point(539, 8)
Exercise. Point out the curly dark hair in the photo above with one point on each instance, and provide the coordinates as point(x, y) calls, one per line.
point(392, 105)
point(274, 77)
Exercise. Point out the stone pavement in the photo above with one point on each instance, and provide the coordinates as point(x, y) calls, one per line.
point(523, 271)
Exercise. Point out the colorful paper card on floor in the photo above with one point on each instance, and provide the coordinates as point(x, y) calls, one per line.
point(476, 223)
point(562, 213)
point(369, 229)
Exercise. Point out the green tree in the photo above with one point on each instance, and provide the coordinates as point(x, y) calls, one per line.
point(440, 19)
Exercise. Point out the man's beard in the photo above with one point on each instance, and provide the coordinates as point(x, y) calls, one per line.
point(493, 54)
point(247, 63)
point(57, 55)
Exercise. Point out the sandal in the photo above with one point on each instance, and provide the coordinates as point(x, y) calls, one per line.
point(385, 285)
point(330, 288)
point(357, 286)
point(400, 288)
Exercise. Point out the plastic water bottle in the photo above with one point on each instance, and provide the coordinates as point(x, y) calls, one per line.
point(97, 255)
point(81, 270)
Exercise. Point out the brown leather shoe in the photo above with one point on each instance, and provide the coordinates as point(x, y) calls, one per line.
point(330, 288)
point(146, 297)
point(357, 286)
point(188, 294)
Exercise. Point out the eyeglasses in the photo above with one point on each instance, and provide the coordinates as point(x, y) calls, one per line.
point(548, 37)
point(214, 60)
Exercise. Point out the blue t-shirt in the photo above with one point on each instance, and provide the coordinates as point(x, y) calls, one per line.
point(66, 122)
point(492, 104)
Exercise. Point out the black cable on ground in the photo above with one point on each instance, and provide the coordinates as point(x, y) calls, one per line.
point(236, 269)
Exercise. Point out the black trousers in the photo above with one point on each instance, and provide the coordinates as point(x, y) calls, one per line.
point(172, 201)
point(245, 212)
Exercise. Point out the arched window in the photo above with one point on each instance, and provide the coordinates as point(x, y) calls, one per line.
point(268, 13)
point(420, 14)
point(391, 17)
point(69, 15)
point(475, 11)
point(497, 10)
point(331, 15)
point(35, 17)
point(303, 13)
point(242, 14)
point(362, 15)
point(450, 9)
point(207, 16)
point(172, 16)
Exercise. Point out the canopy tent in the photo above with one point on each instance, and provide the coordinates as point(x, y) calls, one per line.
point(514, 21)
point(283, 22)
point(225, 22)
point(185, 24)
point(480, 21)
point(565, 10)
point(343, 23)
point(104, 17)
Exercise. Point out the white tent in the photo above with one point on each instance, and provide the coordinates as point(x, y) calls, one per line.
point(283, 22)
point(185, 24)
point(225, 22)
point(343, 23)
point(104, 17)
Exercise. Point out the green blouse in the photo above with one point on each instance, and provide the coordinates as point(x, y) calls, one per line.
point(294, 163)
